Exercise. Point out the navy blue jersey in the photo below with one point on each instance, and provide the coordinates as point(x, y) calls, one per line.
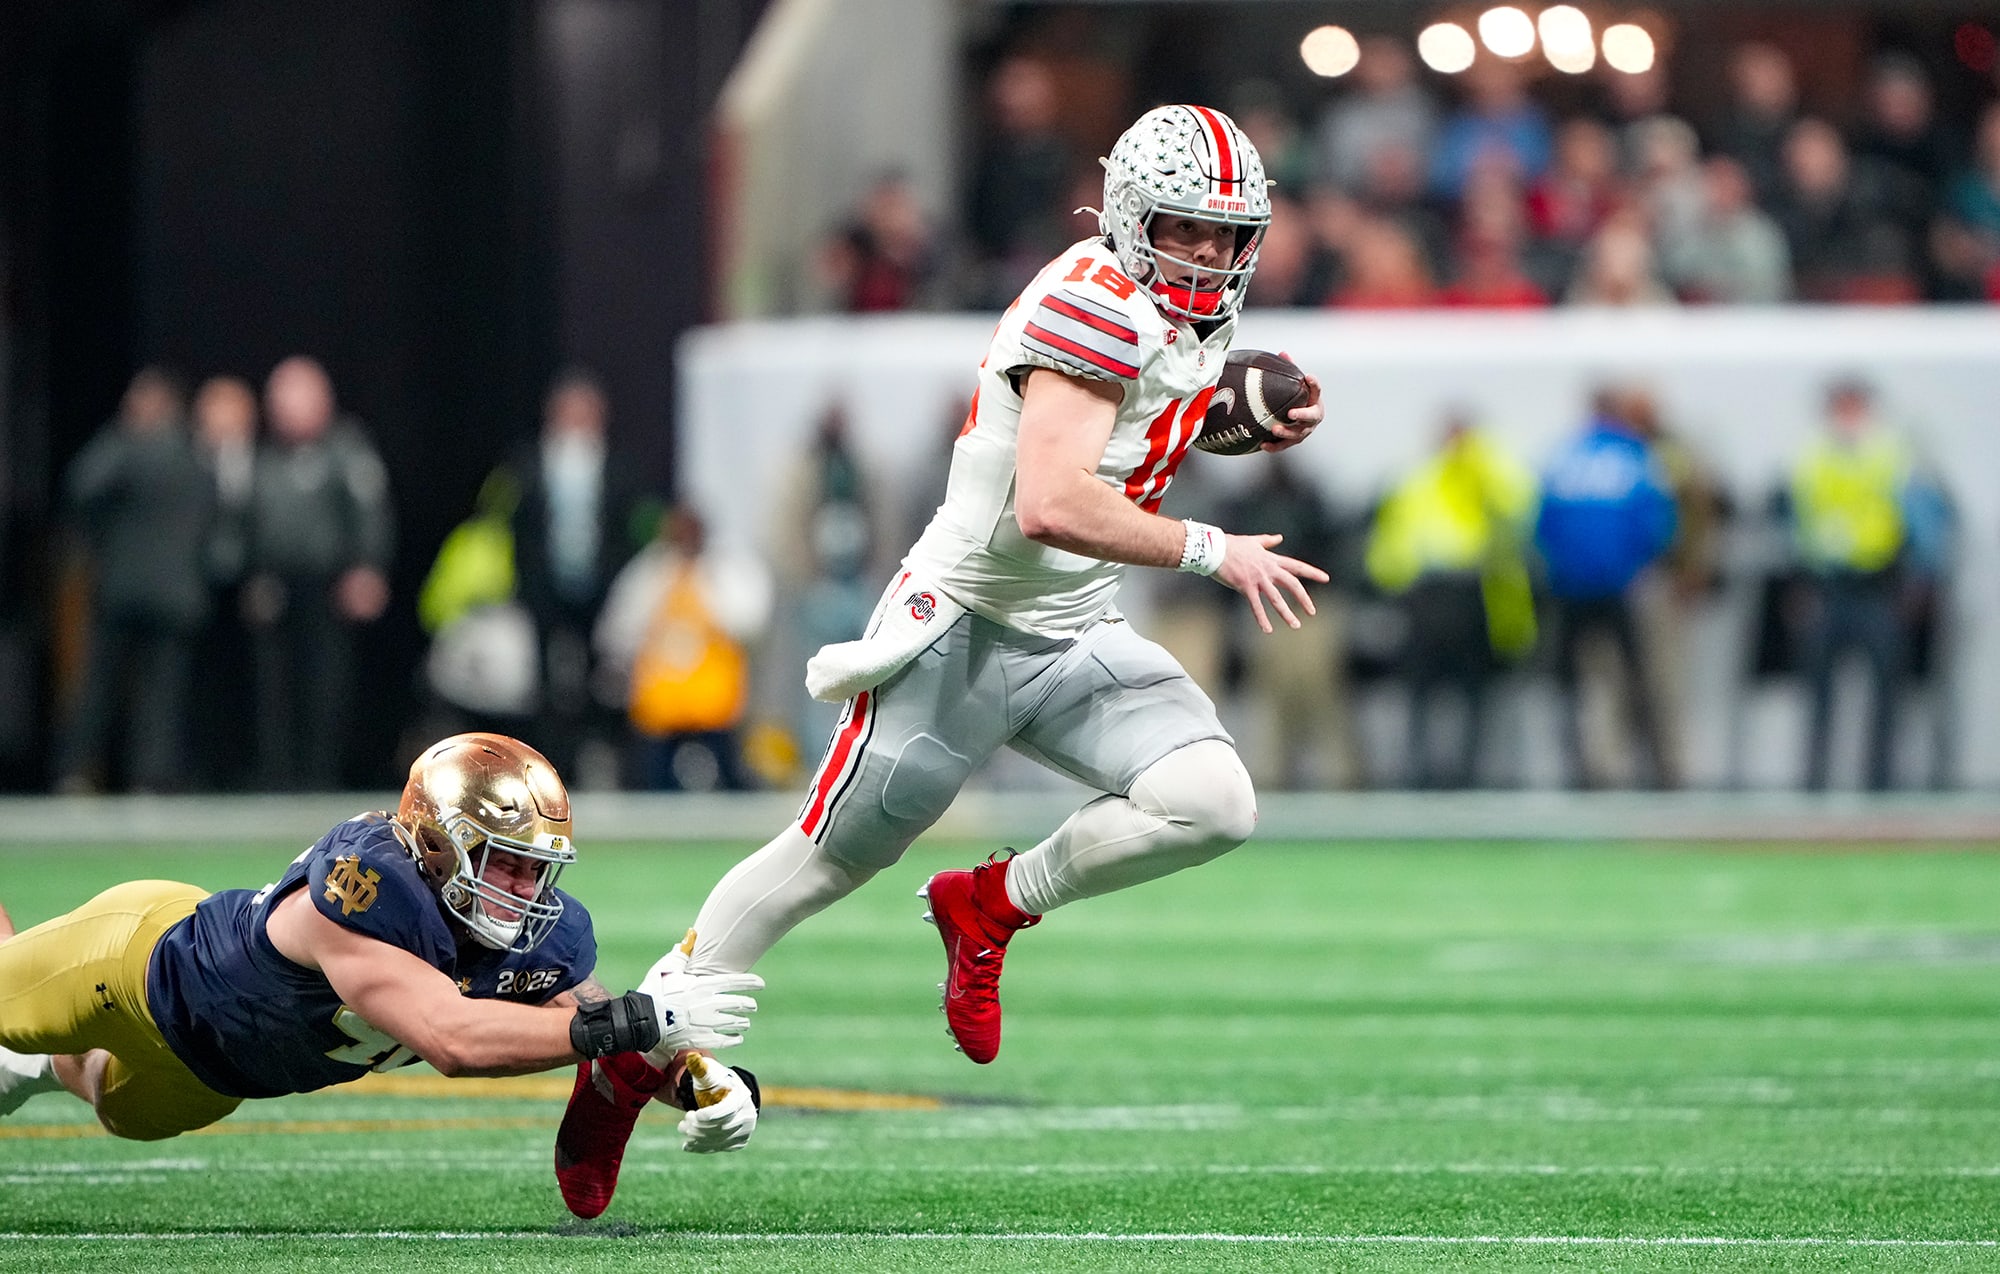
point(250, 1023)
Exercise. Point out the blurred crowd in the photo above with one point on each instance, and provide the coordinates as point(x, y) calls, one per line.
point(238, 537)
point(1404, 189)
point(239, 542)
point(213, 553)
point(1481, 572)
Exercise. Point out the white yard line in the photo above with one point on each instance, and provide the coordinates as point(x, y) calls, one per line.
point(68, 1173)
point(928, 1236)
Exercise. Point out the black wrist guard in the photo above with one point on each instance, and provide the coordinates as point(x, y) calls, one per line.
point(684, 1091)
point(623, 1025)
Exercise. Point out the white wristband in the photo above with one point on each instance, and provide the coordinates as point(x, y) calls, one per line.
point(1202, 552)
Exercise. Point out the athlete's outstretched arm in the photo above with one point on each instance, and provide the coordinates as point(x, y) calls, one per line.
point(1059, 500)
point(421, 1008)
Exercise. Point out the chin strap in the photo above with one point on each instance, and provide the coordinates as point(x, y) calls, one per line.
point(1202, 304)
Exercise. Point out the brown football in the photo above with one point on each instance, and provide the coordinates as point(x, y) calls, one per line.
point(1258, 388)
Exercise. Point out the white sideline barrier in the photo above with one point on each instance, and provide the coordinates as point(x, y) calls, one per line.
point(993, 819)
point(1742, 386)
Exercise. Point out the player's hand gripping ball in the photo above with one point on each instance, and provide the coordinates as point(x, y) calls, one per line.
point(1257, 389)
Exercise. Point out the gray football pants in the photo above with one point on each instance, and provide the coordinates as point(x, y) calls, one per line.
point(1109, 709)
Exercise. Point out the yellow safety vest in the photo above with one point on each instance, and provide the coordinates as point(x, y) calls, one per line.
point(474, 568)
point(1847, 502)
point(1463, 510)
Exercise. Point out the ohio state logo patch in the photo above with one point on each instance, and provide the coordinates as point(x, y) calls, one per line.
point(923, 607)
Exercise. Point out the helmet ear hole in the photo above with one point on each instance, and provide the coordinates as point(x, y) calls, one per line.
point(440, 860)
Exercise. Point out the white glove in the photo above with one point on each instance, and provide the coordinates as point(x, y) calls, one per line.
point(724, 1116)
point(696, 1010)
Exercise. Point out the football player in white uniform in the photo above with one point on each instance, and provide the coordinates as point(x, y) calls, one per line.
point(1000, 629)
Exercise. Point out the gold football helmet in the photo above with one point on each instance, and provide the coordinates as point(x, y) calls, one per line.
point(473, 794)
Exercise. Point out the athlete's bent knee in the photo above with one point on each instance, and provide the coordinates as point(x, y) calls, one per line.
point(1204, 788)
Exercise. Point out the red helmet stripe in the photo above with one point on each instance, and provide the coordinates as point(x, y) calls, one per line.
point(1218, 141)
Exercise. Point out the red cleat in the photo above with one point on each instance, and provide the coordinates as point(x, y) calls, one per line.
point(609, 1094)
point(975, 918)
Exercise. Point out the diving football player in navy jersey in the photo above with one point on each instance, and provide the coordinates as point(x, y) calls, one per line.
point(433, 934)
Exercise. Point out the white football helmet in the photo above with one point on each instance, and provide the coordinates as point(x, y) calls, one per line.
point(1192, 161)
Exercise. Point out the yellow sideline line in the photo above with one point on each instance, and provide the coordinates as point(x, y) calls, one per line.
point(256, 1127)
point(434, 1086)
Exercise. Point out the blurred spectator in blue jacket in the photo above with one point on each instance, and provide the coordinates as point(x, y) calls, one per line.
point(143, 504)
point(1606, 515)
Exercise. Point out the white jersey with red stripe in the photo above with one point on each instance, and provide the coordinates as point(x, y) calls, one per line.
point(1083, 317)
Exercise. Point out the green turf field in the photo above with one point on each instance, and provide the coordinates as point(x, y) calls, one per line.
point(1303, 1057)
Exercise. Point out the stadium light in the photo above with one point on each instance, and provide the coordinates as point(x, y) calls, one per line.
point(1446, 47)
point(1330, 52)
point(1567, 40)
point(1628, 48)
point(1507, 31)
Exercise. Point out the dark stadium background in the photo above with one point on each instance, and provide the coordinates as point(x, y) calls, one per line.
point(218, 184)
point(396, 187)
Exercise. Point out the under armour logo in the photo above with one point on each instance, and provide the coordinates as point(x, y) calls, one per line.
point(104, 998)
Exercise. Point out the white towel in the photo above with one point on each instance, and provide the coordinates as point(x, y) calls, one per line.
point(911, 615)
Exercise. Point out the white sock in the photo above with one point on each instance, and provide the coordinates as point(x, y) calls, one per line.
point(1191, 805)
point(763, 897)
point(22, 1075)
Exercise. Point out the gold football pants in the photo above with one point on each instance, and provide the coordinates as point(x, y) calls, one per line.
point(78, 982)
